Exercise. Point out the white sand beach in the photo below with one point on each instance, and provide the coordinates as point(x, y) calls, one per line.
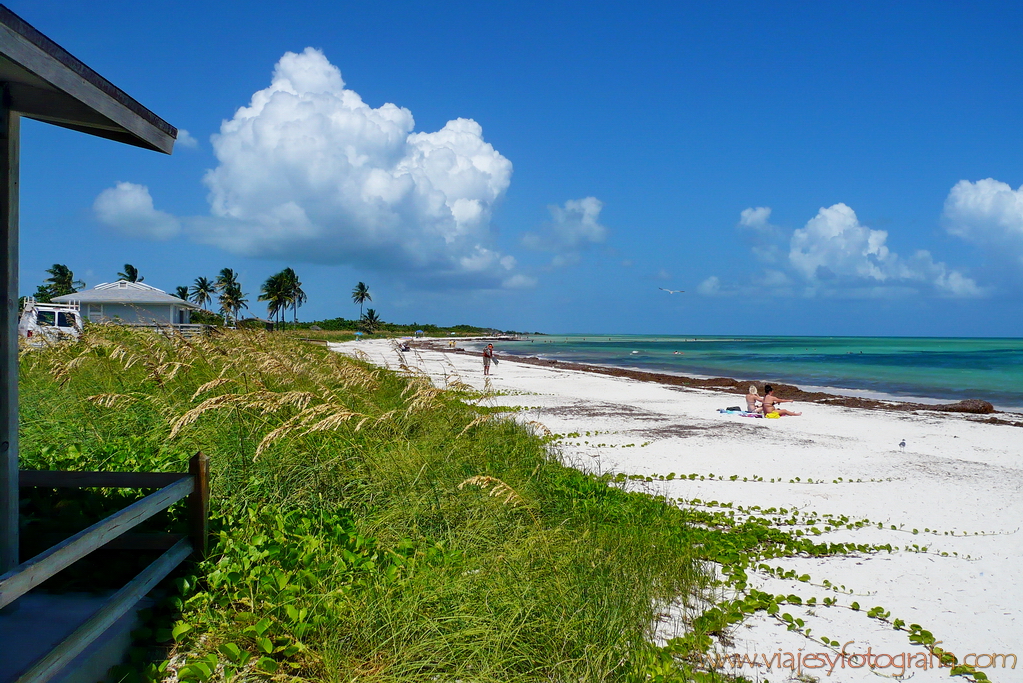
point(956, 475)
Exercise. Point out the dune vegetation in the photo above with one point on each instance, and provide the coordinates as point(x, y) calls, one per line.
point(368, 525)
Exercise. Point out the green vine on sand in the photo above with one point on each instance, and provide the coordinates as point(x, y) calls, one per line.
point(739, 540)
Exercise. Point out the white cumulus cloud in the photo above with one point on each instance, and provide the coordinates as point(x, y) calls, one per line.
point(128, 208)
point(952, 281)
point(774, 279)
point(757, 218)
point(764, 237)
point(185, 139)
point(835, 249)
point(577, 222)
point(308, 171)
point(573, 226)
point(710, 287)
point(519, 281)
point(836, 254)
point(988, 212)
point(835, 244)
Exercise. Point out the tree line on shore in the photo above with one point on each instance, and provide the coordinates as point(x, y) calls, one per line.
point(280, 291)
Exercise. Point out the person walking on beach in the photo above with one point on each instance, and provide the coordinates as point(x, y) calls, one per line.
point(770, 402)
point(488, 355)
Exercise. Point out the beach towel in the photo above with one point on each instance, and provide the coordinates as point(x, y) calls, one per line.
point(736, 411)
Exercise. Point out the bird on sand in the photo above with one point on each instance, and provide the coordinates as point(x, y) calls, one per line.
point(902, 445)
point(672, 291)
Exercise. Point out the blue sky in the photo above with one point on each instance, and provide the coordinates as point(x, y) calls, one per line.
point(797, 168)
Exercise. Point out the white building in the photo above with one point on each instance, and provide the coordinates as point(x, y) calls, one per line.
point(130, 303)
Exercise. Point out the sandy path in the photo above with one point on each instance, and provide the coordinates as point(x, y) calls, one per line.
point(956, 474)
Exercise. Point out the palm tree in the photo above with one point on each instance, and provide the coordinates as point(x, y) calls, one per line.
point(231, 297)
point(360, 295)
point(371, 320)
point(225, 278)
point(61, 281)
point(131, 274)
point(202, 291)
point(296, 297)
point(232, 301)
point(42, 295)
point(181, 291)
point(276, 292)
point(239, 300)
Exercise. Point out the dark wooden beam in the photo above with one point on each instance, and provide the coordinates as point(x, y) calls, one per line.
point(129, 541)
point(151, 541)
point(199, 503)
point(50, 479)
point(9, 156)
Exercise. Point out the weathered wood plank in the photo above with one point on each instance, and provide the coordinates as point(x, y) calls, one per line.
point(31, 573)
point(199, 503)
point(79, 480)
point(128, 541)
point(118, 605)
point(10, 127)
point(151, 541)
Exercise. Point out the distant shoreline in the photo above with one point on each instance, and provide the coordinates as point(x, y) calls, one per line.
point(729, 384)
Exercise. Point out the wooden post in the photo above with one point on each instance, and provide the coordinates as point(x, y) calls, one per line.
point(199, 504)
point(10, 127)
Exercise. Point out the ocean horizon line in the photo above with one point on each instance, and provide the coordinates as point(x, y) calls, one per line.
point(740, 337)
point(938, 369)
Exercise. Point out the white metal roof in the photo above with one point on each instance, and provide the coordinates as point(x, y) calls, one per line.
point(124, 292)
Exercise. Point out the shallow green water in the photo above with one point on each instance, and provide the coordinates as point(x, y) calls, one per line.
point(936, 368)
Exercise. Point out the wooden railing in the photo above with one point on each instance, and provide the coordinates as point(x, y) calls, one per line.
point(170, 329)
point(112, 532)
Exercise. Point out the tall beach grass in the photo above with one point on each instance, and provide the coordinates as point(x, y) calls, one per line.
point(369, 525)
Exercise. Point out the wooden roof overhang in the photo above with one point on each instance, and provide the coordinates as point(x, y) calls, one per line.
point(43, 81)
point(47, 83)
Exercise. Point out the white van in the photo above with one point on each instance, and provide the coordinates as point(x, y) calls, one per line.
point(50, 322)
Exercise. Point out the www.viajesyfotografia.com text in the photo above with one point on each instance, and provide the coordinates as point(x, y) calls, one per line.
point(881, 662)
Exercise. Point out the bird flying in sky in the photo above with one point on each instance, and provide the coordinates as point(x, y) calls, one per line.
point(672, 291)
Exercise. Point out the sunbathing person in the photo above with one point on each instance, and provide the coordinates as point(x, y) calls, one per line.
point(752, 399)
point(770, 402)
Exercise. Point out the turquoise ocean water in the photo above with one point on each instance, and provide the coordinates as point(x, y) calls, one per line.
point(928, 368)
